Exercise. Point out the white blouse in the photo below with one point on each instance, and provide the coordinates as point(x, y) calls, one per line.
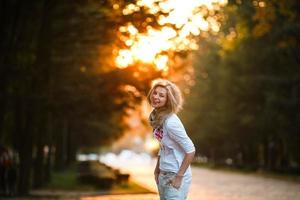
point(174, 144)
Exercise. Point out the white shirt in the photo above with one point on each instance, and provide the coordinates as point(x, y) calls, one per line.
point(174, 144)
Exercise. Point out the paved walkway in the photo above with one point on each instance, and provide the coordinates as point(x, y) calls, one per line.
point(221, 185)
point(206, 185)
point(124, 197)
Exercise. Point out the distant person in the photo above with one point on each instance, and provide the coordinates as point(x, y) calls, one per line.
point(11, 175)
point(172, 173)
point(3, 164)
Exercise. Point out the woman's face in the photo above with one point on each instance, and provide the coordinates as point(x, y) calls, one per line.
point(159, 97)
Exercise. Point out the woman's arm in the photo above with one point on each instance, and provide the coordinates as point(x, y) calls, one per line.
point(176, 181)
point(177, 132)
point(188, 158)
point(156, 170)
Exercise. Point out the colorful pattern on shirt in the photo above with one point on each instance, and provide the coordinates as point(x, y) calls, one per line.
point(158, 133)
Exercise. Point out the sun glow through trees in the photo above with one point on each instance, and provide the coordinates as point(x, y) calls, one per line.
point(180, 23)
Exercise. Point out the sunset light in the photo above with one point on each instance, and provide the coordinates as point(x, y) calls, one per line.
point(181, 22)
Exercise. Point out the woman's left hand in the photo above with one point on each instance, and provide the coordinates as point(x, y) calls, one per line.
point(176, 182)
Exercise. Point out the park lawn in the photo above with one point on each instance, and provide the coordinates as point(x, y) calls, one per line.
point(67, 180)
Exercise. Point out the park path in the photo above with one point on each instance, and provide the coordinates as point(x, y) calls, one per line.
point(219, 185)
point(207, 184)
point(210, 184)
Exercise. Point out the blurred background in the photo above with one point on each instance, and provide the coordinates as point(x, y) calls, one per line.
point(74, 76)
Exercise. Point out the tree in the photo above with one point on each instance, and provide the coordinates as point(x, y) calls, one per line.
point(247, 93)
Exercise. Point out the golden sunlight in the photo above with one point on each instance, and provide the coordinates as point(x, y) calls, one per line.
point(182, 22)
point(151, 144)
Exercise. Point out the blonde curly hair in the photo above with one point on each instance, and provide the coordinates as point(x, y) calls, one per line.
point(173, 105)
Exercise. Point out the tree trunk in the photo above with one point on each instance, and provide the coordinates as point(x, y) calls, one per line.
point(2, 110)
point(261, 156)
point(71, 151)
point(38, 178)
point(48, 164)
point(9, 15)
point(25, 150)
point(61, 146)
point(38, 175)
point(42, 65)
point(49, 146)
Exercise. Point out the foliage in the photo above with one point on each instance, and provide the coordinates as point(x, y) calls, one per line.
point(60, 90)
point(248, 88)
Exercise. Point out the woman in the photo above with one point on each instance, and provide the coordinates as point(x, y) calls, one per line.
point(172, 172)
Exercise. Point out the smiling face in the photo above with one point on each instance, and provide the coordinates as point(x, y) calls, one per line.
point(159, 97)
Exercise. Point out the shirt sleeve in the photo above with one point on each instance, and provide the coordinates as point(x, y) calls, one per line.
point(177, 132)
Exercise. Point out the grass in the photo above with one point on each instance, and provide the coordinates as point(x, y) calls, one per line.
point(67, 180)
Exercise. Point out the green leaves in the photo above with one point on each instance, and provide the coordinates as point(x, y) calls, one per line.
point(249, 96)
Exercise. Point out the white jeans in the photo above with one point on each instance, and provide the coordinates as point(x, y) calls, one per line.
point(168, 192)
